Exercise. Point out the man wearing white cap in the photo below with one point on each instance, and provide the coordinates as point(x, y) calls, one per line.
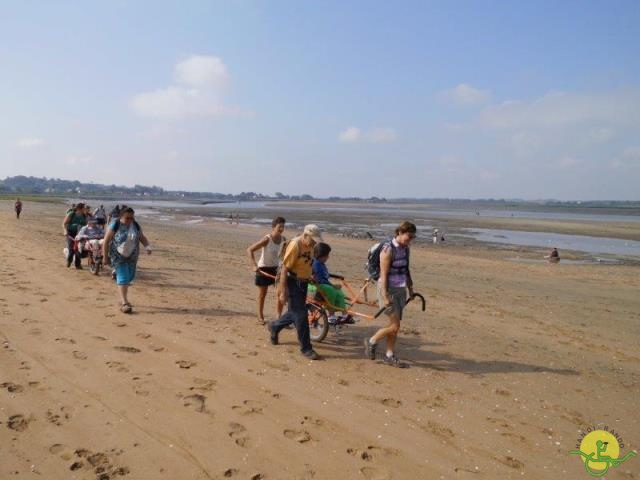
point(295, 275)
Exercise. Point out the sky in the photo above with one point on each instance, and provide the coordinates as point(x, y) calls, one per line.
point(462, 99)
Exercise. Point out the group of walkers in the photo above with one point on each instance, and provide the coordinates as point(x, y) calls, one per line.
point(299, 265)
point(117, 245)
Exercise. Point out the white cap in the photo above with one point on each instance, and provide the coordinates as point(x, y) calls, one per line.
point(313, 231)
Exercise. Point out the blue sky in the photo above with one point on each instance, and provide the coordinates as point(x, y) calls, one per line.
point(425, 99)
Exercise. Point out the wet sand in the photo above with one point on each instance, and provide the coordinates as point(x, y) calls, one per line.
point(509, 363)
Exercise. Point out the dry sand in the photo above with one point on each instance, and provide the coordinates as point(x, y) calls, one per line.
point(509, 363)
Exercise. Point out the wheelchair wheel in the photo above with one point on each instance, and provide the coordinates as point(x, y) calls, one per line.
point(318, 322)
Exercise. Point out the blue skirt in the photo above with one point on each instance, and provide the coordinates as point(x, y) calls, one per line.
point(125, 273)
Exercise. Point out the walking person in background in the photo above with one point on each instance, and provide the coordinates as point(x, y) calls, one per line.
point(295, 274)
point(394, 281)
point(267, 264)
point(121, 248)
point(73, 222)
point(18, 208)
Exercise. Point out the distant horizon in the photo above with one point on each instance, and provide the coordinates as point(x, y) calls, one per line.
point(286, 196)
point(363, 98)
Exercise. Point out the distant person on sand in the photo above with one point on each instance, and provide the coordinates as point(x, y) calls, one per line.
point(435, 236)
point(100, 215)
point(18, 208)
point(295, 275)
point(72, 223)
point(268, 263)
point(121, 248)
point(394, 281)
point(554, 256)
point(114, 213)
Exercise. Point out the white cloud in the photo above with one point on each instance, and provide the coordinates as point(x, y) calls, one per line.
point(602, 134)
point(464, 94)
point(632, 153)
point(350, 134)
point(204, 72)
point(29, 142)
point(201, 82)
point(375, 135)
point(556, 110)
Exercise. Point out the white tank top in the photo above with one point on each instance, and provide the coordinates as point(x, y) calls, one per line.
point(269, 256)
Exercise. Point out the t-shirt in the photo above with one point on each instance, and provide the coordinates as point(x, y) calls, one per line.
point(76, 221)
point(91, 233)
point(320, 272)
point(298, 259)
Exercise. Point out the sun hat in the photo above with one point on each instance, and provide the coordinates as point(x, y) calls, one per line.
point(313, 231)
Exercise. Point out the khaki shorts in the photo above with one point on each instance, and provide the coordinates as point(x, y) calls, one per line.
point(398, 296)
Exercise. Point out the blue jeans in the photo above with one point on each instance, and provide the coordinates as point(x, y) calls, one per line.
point(296, 313)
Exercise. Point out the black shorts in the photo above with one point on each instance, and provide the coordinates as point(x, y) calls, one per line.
point(263, 281)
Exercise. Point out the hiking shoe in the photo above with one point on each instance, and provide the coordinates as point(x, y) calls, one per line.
point(370, 349)
point(311, 355)
point(273, 335)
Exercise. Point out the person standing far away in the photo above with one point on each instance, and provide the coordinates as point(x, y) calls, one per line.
point(18, 208)
point(295, 274)
point(73, 222)
point(114, 213)
point(121, 248)
point(435, 236)
point(394, 281)
point(267, 263)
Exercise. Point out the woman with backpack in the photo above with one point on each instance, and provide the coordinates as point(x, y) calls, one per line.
point(121, 249)
point(393, 284)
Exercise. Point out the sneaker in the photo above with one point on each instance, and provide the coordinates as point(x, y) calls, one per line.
point(273, 335)
point(393, 361)
point(332, 320)
point(311, 355)
point(370, 349)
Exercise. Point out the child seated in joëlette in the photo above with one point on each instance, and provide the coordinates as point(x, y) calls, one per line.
point(329, 292)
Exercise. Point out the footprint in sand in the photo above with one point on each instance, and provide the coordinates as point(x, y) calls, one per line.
point(391, 402)
point(237, 431)
point(203, 384)
point(143, 335)
point(60, 418)
point(98, 337)
point(312, 421)
point(66, 340)
point(185, 363)
point(119, 366)
point(61, 450)
point(371, 473)
point(197, 401)
point(300, 436)
point(250, 407)
point(12, 387)
point(100, 463)
point(438, 430)
point(230, 472)
point(128, 349)
point(80, 355)
point(19, 423)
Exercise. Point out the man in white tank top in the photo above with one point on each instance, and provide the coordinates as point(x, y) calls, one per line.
point(267, 265)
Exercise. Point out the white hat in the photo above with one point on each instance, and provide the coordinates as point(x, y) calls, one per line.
point(313, 231)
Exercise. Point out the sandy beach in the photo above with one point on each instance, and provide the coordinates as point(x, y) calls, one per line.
point(508, 365)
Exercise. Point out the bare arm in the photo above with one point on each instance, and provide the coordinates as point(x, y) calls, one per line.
point(143, 239)
point(385, 265)
point(105, 246)
point(65, 223)
point(253, 248)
